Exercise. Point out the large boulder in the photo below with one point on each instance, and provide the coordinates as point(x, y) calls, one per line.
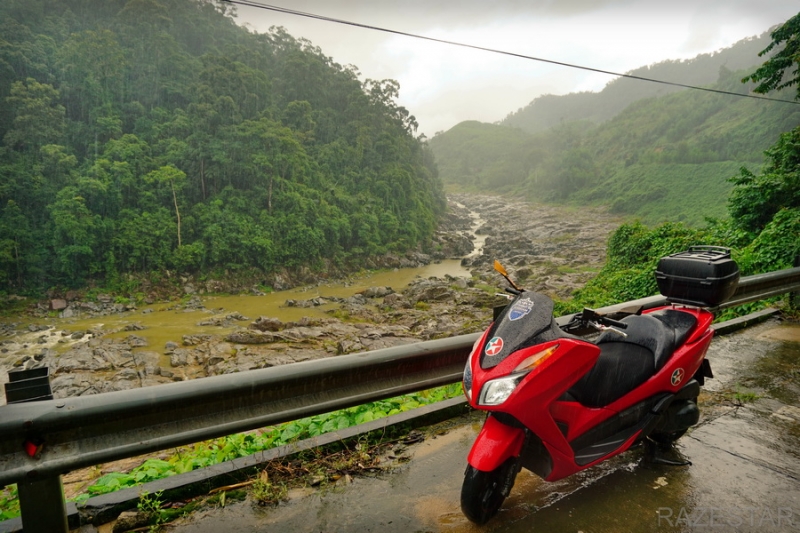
point(267, 323)
point(377, 292)
point(250, 336)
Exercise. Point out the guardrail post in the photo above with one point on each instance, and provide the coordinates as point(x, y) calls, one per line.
point(41, 501)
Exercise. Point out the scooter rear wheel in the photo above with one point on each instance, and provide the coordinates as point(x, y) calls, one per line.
point(483, 493)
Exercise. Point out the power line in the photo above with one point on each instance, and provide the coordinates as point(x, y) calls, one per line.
point(250, 3)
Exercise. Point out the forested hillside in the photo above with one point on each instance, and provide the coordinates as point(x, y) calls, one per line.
point(548, 111)
point(140, 136)
point(661, 159)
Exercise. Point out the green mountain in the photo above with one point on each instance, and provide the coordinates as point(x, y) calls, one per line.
point(664, 158)
point(548, 111)
point(140, 136)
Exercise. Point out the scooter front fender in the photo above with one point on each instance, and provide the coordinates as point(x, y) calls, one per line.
point(495, 443)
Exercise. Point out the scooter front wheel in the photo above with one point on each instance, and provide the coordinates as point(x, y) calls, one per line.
point(483, 493)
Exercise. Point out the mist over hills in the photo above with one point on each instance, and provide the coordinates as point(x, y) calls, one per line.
point(550, 110)
point(652, 151)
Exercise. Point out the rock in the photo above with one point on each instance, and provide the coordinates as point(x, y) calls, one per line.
point(249, 336)
point(104, 298)
point(377, 292)
point(461, 283)
point(215, 360)
point(266, 323)
point(89, 306)
point(129, 520)
point(194, 340)
point(452, 245)
point(58, 305)
point(429, 291)
point(280, 282)
point(147, 361)
point(397, 301)
point(213, 321)
point(348, 346)
point(178, 358)
point(236, 316)
point(170, 347)
point(127, 374)
point(83, 358)
point(135, 341)
point(71, 296)
point(194, 303)
point(358, 299)
point(214, 286)
point(189, 289)
point(313, 302)
point(133, 327)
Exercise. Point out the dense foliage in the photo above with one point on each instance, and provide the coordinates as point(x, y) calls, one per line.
point(764, 225)
point(143, 135)
point(660, 159)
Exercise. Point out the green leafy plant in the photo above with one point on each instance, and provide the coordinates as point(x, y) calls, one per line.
point(150, 505)
point(9, 502)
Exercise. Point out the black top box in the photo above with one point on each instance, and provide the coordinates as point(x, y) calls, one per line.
point(704, 276)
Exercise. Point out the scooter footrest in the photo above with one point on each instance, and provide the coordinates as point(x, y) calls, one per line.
point(600, 449)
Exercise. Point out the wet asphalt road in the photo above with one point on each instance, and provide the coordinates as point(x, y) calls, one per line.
point(744, 477)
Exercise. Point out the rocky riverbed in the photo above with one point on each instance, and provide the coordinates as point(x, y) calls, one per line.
point(549, 249)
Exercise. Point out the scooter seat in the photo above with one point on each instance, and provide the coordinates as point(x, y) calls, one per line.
point(660, 332)
point(625, 363)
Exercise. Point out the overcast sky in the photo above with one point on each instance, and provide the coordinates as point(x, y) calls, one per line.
point(443, 85)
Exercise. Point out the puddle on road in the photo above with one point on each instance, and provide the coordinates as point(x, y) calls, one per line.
point(787, 332)
point(764, 360)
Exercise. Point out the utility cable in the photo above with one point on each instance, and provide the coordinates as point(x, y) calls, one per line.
point(250, 3)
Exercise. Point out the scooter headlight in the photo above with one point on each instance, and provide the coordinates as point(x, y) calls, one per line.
point(497, 391)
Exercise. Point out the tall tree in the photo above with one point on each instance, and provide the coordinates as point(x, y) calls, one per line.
point(39, 117)
point(773, 75)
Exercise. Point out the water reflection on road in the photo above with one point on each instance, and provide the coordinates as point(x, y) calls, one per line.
point(745, 474)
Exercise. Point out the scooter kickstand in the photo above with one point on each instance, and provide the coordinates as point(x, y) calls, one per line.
point(653, 456)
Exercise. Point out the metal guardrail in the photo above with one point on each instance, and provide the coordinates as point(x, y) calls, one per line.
point(89, 430)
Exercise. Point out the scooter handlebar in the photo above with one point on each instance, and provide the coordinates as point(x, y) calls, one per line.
point(611, 322)
point(587, 316)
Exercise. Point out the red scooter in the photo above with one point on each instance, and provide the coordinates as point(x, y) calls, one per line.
point(558, 403)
